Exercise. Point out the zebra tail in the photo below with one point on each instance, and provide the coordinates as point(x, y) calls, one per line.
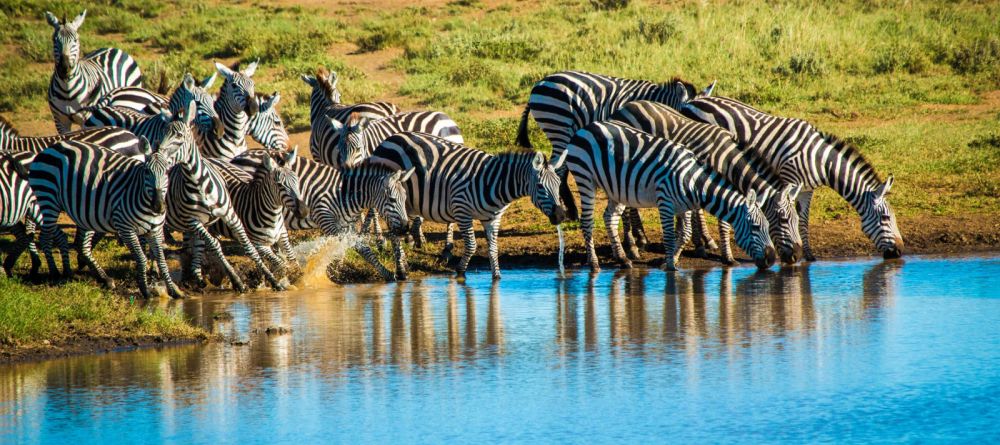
point(522, 130)
point(566, 195)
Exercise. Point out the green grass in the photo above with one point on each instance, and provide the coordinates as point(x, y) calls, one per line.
point(30, 314)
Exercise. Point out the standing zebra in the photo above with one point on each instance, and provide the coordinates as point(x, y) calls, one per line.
point(718, 149)
point(235, 106)
point(19, 212)
point(259, 201)
point(103, 191)
point(640, 170)
point(148, 102)
point(198, 198)
point(567, 101)
point(357, 138)
point(266, 127)
point(324, 104)
point(337, 197)
point(802, 155)
point(458, 184)
point(78, 83)
point(114, 139)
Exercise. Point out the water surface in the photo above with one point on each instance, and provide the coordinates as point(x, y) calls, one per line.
point(829, 352)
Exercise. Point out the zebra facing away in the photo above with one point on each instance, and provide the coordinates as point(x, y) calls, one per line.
point(566, 101)
point(324, 104)
point(458, 184)
point(335, 203)
point(639, 170)
point(78, 83)
point(105, 192)
point(19, 213)
point(802, 155)
point(718, 149)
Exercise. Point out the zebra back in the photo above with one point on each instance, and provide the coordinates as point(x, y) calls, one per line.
point(356, 138)
point(115, 139)
point(133, 98)
point(19, 202)
point(152, 127)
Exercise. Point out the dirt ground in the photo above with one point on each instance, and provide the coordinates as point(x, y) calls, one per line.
point(86, 345)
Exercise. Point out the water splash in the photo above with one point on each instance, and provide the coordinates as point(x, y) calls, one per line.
point(316, 254)
point(562, 250)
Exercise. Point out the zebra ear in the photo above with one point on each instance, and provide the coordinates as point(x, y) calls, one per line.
point(52, 19)
point(538, 163)
point(165, 115)
point(189, 112)
point(188, 81)
point(268, 162)
point(310, 80)
point(224, 70)
point(144, 146)
point(208, 81)
point(291, 155)
point(275, 98)
point(792, 191)
point(707, 92)
point(75, 24)
point(337, 125)
point(251, 68)
point(763, 197)
point(884, 189)
point(405, 174)
point(333, 78)
point(558, 162)
point(751, 198)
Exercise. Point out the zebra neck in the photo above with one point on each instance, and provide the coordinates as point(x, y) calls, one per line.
point(233, 118)
point(507, 177)
point(714, 194)
point(849, 174)
point(267, 190)
point(317, 105)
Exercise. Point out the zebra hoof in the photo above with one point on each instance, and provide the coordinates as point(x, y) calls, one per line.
point(594, 267)
point(729, 261)
point(626, 264)
point(633, 253)
point(712, 245)
point(641, 241)
point(700, 252)
point(460, 275)
point(401, 276)
point(668, 267)
point(109, 284)
point(809, 257)
point(176, 293)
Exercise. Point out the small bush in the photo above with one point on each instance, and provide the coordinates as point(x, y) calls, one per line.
point(802, 64)
point(979, 55)
point(653, 31)
point(986, 141)
point(609, 5)
point(380, 39)
point(900, 58)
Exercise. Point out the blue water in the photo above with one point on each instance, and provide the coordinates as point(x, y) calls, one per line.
point(866, 351)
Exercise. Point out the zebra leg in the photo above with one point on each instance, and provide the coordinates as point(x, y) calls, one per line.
point(416, 232)
point(449, 242)
point(276, 261)
point(194, 246)
point(469, 235)
point(725, 235)
point(587, 225)
point(216, 249)
point(401, 264)
point(702, 240)
point(804, 201)
point(492, 227)
point(86, 254)
point(21, 242)
point(63, 122)
point(632, 243)
point(638, 231)
point(286, 246)
point(155, 241)
point(671, 249)
point(366, 252)
point(372, 220)
point(612, 215)
point(236, 228)
point(684, 234)
point(131, 240)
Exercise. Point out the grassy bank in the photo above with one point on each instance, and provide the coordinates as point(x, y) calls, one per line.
point(50, 320)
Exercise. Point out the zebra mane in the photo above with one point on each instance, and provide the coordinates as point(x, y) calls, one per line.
point(365, 169)
point(7, 127)
point(850, 150)
point(691, 89)
point(515, 153)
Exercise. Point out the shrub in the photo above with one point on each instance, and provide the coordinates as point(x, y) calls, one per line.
point(979, 55)
point(380, 39)
point(896, 58)
point(802, 64)
point(609, 5)
point(653, 31)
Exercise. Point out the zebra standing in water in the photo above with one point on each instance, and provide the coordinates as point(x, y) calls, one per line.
point(335, 203)
point(78, 83)
point(458, 184)
point(19, 213)
point(114, 139)
point(266, 127)
point(639, 170)
point(198, 198)
point(566, 101)
point(324, 104)
point(236, 105)
point(718, 149)
point(802, 155)
point(105, 192)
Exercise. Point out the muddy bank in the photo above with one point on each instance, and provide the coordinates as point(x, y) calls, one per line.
point(83, 345)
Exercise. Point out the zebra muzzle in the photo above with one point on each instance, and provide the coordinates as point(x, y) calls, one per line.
point(896, 251)
point(770, 256)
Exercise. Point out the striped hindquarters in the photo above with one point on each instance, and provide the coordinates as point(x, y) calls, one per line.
point(373, 133)
point(19, 203)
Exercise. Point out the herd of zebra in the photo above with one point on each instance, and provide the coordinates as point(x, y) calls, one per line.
point(145, 165)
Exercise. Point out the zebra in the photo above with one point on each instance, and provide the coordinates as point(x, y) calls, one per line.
point(235, 105)
point(564, 102)
point(198, 198)
point(640, 170)
point(19, 213)
point(260, 201)
point(266, 127)
point(718, 149)
point(103, 191)
point(148, 102)
point(334, 202)
point(77, 83)
point(324, 104)
point(358, 137)
point(454, 183)
point(114, 139)
point(803, 155)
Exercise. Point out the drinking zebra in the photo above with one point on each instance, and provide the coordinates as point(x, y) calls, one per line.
point(198, 199)
point(266, 127)
point(640, 170)
point(114, 139)
point(454, 183)
point(148, 102)
point(566, 101)
point(77, 83)
point(802, 155)
point(235, 106)
point(103, 191)
point(718, 149)
point(19, 213)
point(324, 104)
point(337, 197)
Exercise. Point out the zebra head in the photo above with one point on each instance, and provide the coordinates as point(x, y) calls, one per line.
point(238, 88)
point(266, 127)
point(155, 180)
point(783, 219)
point(545, 187)
point(327, 82)
point(284, 177)
point(879, 222)
point(351, 149)
point(676, 93)
point(66, 43)
point(207, 118)
point(390, 200)
point(752, 229)
point(178, 140)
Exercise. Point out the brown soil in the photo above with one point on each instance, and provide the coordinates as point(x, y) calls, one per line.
point(87, 345)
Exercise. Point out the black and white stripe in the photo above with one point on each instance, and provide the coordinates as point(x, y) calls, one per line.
point(115, 139)
point(454, 183)
point(235, 106)
point(266, 127)
point(802, 155)
point(102, 191)
point(566, 101)
point(640, 170)
point(324, 104)
point(718, 149)
point(19, 213)
point(77, 83)
point(148, 102)
point(357, 137)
